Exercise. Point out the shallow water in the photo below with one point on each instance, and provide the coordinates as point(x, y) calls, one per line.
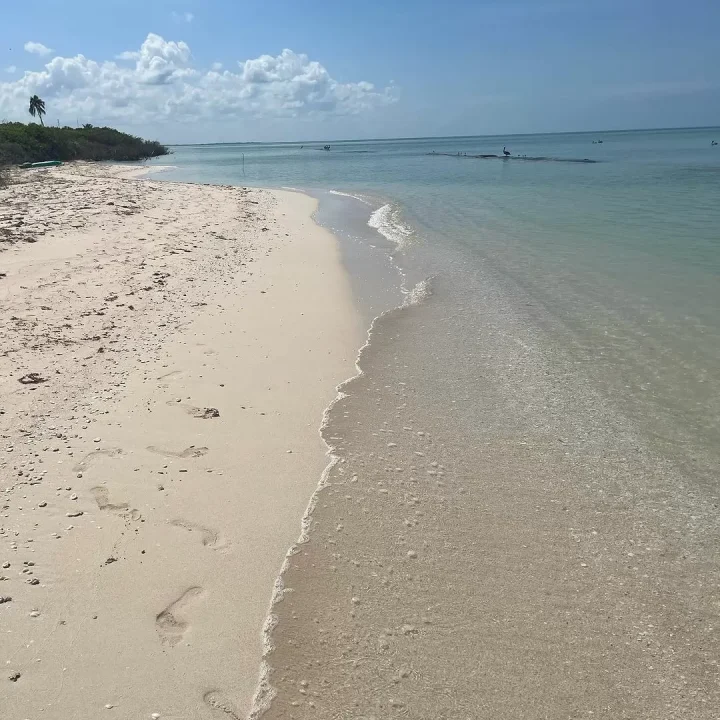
point(616, 264)
point(564, 375)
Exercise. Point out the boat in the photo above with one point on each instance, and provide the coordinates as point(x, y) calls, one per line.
point(45, 163)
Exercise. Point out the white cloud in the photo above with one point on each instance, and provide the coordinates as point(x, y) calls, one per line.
point(37, 48)
point(186, 17)
point(217, 66)
point(158, 83)
point(11, 69)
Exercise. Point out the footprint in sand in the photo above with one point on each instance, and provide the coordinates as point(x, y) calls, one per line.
point(219, 702)
point(188, 452)
point(172, 375)
point(208, 537)
point(204, 413)
point(106, 452)
point(170, 626)
point(102, 498)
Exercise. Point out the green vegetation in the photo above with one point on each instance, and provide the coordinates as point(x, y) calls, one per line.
point(21, 143)
point(37, 107)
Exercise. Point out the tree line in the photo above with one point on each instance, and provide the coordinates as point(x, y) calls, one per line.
point(20, 143)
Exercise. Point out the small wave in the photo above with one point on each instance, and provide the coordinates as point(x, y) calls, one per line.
point(386, 220)
point(265, 692)
point(418, 294)
point(344, 194)
point(152, 169)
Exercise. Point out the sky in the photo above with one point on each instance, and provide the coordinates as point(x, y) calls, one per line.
point(184, 71)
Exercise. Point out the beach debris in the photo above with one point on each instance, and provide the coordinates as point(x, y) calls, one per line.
point(412, 554)
point(32, 378)
point(33, 581)
point(110, 560)
point(14, 677)
point(5, 599)
point(208, 413)
point(35, 613)
point(75, 513)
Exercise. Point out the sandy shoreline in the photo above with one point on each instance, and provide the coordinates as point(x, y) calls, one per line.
point(168, 351)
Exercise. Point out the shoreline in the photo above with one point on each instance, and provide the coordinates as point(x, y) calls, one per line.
point(175, 578)
point(490, 535)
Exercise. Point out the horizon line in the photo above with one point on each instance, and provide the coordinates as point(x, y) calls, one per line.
point(442, 137)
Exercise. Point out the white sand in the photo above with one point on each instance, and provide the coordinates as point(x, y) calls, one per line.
point(143, 304)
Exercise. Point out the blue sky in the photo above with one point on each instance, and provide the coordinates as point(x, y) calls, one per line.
point(376, 69)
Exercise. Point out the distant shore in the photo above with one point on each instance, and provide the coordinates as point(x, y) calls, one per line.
point(168, 352)
point(29, 143)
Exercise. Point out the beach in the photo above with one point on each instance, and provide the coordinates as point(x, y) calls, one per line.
point(168, 351)
point(451, 452)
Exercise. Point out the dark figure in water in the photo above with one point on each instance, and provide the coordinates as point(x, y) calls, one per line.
point(505, 152)
point(713, 142)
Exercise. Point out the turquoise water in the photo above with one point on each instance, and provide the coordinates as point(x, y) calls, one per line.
point(544, 363)
point(613, 266)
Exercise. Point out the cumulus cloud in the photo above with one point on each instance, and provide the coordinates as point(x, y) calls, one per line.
point(158, 82)
point(186, 17)
point(37, 48)
point(11, 69)
point(159, 62)
point(217, 66)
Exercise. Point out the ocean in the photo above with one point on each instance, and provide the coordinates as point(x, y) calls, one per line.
point(522, 515)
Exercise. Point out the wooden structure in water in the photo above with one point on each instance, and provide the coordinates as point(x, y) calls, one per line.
point(527, 158)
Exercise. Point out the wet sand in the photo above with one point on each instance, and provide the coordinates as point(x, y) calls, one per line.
point(167, 353)
point(494, 550)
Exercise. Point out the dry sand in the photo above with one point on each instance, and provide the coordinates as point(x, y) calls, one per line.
point(167, 353)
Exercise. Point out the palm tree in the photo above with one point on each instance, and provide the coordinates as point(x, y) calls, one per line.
point(37, 107)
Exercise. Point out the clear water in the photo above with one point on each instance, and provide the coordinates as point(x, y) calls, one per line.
point(541, 427)
point(613, 266)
